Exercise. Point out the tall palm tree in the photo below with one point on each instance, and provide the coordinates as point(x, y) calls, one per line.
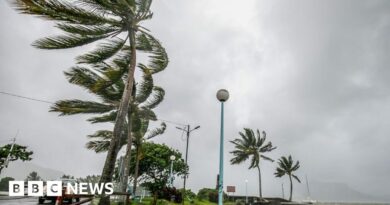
point(286, 166)
point(117, 21)
point(146, 97)
point(251, 146)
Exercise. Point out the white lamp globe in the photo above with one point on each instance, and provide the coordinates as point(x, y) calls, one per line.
point(172, 157)
point(222, 95)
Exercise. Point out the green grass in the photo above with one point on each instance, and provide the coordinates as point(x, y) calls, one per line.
point(148, 201)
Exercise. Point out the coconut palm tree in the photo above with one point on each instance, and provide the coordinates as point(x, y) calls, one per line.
point(146, 97)
point(251, 146)
point(118, 22)
point(286, 166)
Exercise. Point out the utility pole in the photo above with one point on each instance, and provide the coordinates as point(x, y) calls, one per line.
point(188, 131)
point(10, 151)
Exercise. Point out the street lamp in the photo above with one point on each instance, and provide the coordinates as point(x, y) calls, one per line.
point(222, 96)
point(246, 191)
point(172, 158)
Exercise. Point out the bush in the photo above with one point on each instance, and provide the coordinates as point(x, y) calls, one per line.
point(169, 193)
point(209, 194)
point(4, 183)
point(188, 193)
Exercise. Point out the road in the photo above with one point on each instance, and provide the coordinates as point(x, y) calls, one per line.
point(6, 200)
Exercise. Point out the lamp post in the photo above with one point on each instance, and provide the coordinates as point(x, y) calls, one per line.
point(222, 96)
point(172, 158)
point(246, 191)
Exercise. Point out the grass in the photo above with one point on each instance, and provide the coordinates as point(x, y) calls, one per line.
point(148, 201)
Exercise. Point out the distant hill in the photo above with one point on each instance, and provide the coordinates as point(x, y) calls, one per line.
point(20, 170)
point(336, 192)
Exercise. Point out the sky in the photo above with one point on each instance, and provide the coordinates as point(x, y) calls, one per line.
point(312, 74)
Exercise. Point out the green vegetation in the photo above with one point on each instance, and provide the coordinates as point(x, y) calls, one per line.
point(207, 194)
point(13, 152)
point(287, 167)
point(4, 183)
point(118, 24)
point(33, 176)
point(154, 167)
point(251, 146)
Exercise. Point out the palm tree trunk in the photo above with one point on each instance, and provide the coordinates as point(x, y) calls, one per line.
point(126, 163)
point(260, 194)
point(136, 169)
point(123, 109)
point(291, 188)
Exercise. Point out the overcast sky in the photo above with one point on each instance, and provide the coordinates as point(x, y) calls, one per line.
point(313, 74)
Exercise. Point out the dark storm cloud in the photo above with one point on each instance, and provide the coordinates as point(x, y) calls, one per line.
point(313, 74)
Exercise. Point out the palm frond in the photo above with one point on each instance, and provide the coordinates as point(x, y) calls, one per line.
point(158, 56)
point(104, 51)
point(62, 11)
point(145, 88)
point(295, 177)
point(87, 30)
point(147, 114)
point(71, 107)
point(155, 98)
point(65, 41)
point(157, 131)
point(266, 158)
point(110, 117)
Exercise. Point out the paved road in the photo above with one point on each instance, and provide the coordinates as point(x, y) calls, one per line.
point(6, 200)
point(15, 200)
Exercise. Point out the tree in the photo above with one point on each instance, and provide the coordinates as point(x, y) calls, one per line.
point(13, 152)
point(33, 176)
point(154, 167)
point(140, 138)
point(146, 98)
point(64, 176)
point(4, 183)
point(88, 21)
point(286, 166)
point(251, 146)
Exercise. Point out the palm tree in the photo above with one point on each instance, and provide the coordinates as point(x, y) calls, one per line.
point(286, 166)
point(117, 21)
point(146, 97)
point(251, 146)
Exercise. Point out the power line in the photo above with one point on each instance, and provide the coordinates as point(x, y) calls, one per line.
point(28, 98)
point(171, 122)
point(48, 102)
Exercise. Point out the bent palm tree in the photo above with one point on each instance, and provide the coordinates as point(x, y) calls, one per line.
point(287, 167)
point(88, 21)
point(251, 146)
point(146, 97)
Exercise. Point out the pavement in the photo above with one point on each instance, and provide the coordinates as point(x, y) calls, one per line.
point(7, 200)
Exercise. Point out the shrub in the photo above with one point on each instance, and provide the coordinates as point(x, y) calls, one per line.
point(209, 194)
point(169, 193)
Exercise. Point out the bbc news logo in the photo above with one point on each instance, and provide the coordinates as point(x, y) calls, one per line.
point(54, 188)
